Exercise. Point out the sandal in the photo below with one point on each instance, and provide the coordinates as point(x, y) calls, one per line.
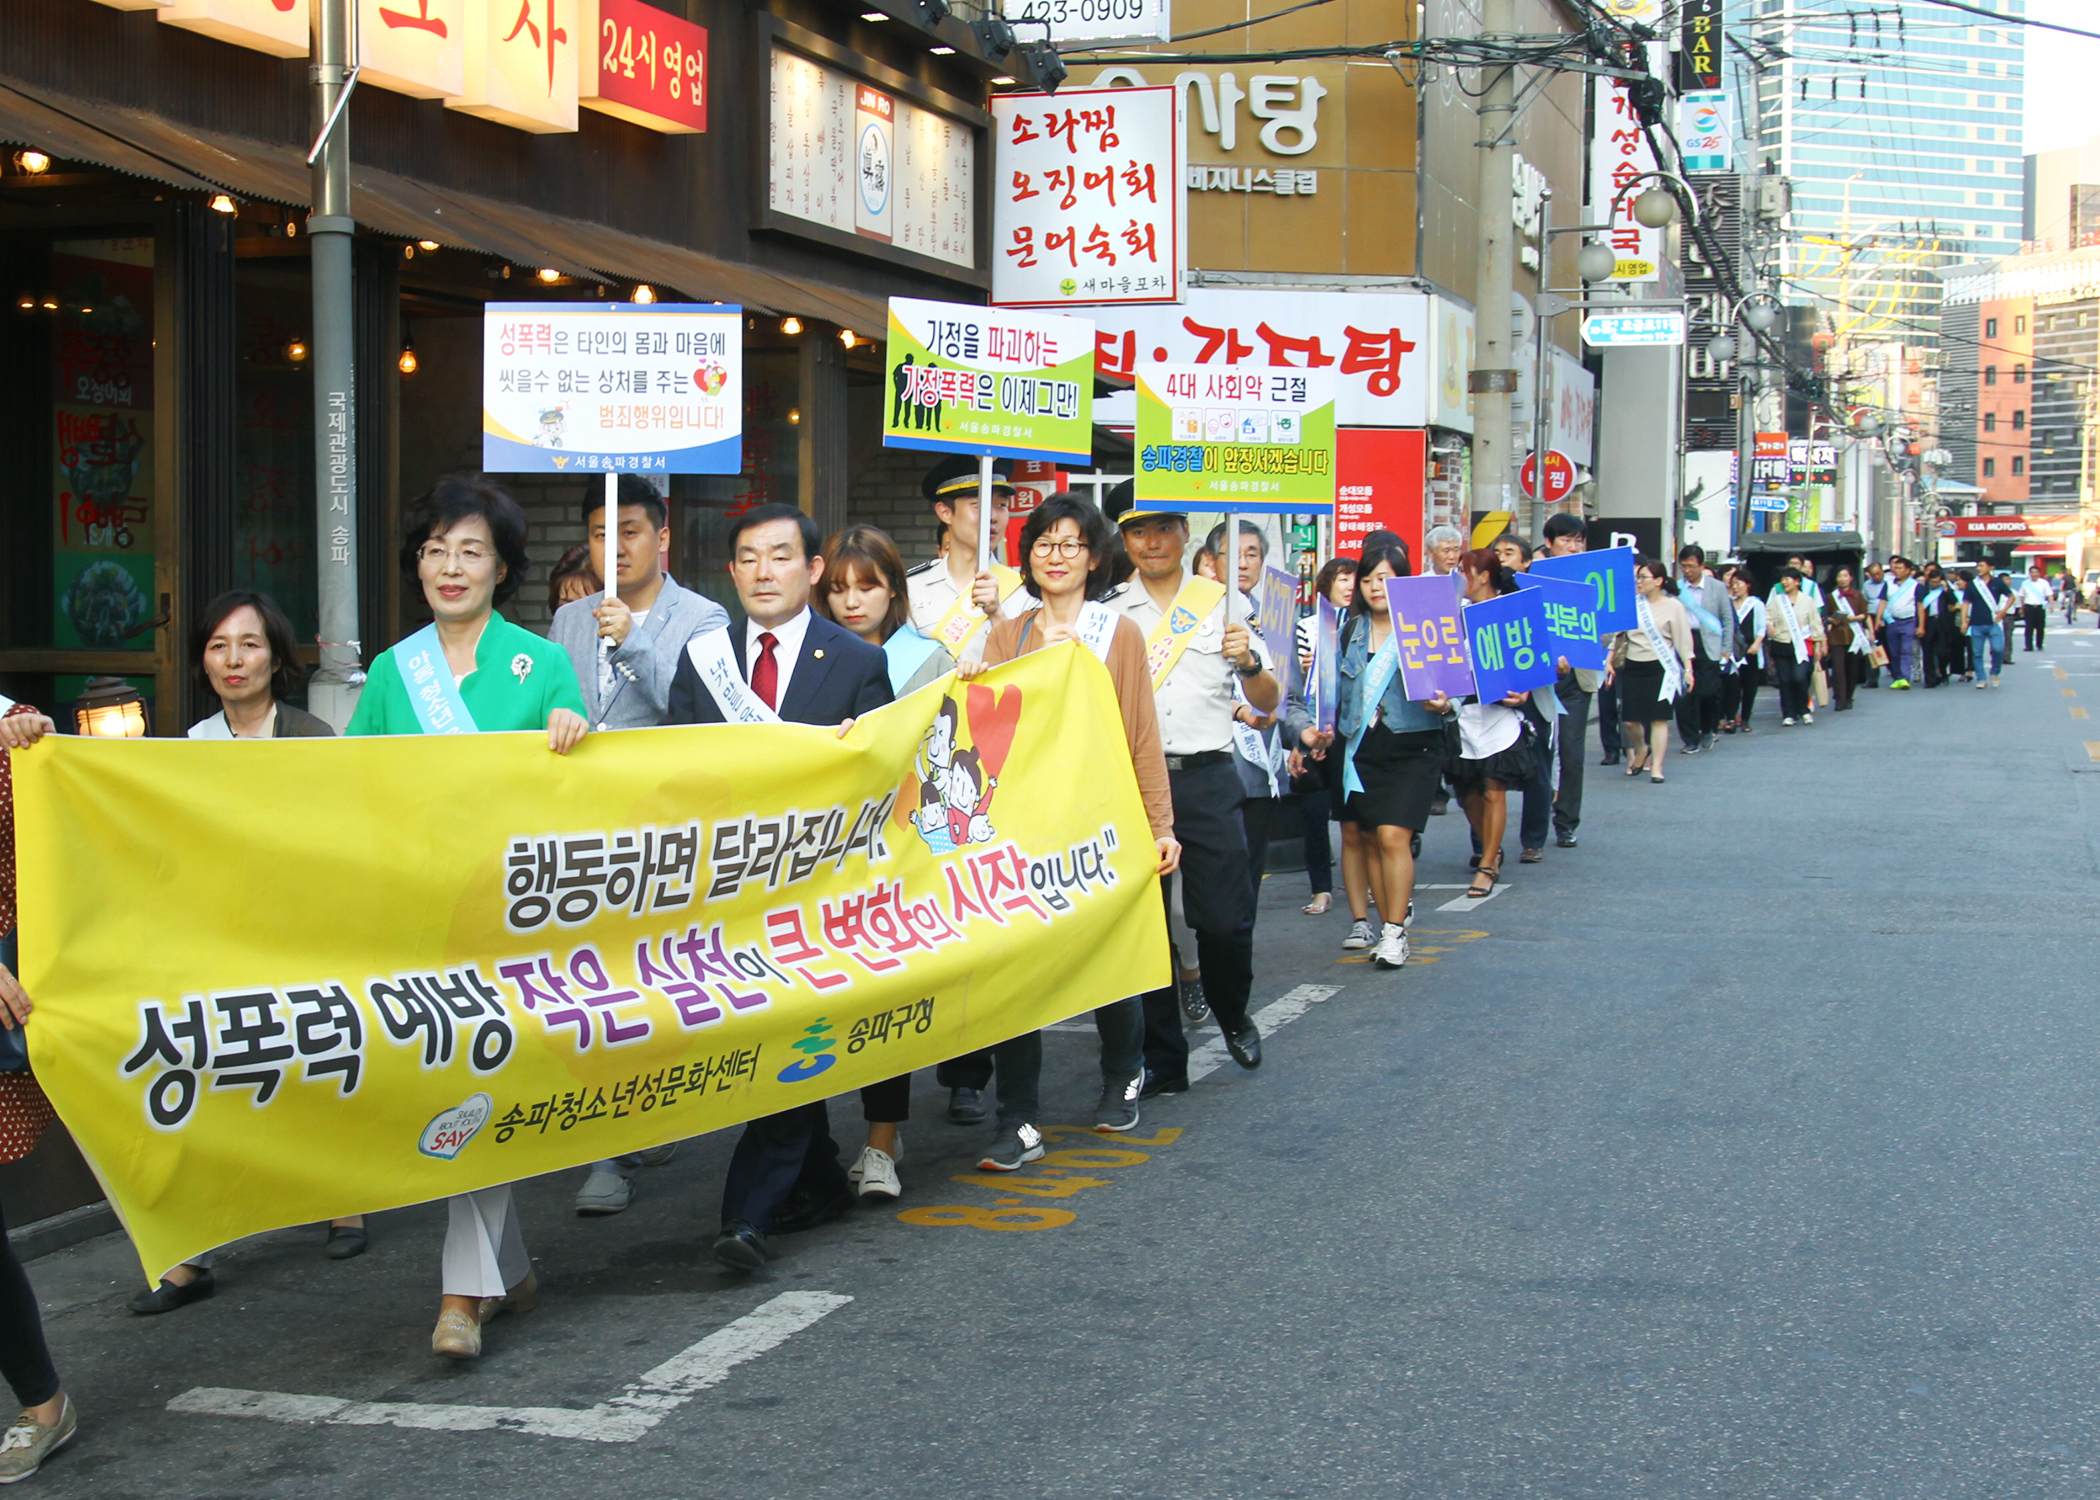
point(1658, 778)
point(1317, 907)
point(1474, 890)
point(1635, 767)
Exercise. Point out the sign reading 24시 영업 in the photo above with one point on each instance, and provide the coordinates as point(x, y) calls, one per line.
point(479, 961)
point(587, 388)
point(1235, 438)
point(964, 379)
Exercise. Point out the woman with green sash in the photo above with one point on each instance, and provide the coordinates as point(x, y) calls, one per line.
point(471, 671)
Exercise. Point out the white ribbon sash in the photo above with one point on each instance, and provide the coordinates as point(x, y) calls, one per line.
point(1097, 627)
point(431, 691)
point(718, 670)
point(1384, 667)
point(1902, 601)
point(1665, 653)
point(907, 651)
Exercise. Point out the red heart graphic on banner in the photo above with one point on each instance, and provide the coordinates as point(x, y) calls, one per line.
point(992, 724)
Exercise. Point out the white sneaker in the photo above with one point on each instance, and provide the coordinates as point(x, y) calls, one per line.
point(1360, 936)
point(1391, 952)
point(1982, 683)
point(1808, 718)
point(895, 1155)
point(876, 1172)
point(1787, 721)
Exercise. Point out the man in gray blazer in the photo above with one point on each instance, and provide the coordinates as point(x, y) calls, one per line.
point(629, 687)
point(648, 624)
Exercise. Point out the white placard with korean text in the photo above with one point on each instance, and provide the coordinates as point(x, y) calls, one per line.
point(1618, 155)
point(1375, 343)
point(587, 387)
point(1088, 197)
point(904, 178)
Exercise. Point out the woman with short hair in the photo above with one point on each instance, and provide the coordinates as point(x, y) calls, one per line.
point(476, 672)
point(1793, 639)
point(243, 653)
point(1067, 552)
point(1653, 663)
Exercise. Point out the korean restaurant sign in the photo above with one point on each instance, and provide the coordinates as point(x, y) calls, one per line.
point(869, 165)
point(1212, 437)
point(1088, 197)
point(644, 65)
point(581, 387)
point(414, 47)
point(965, 379)
point(1619, 154)
point(521, 63)
point(273, 26)
point(1375, 345)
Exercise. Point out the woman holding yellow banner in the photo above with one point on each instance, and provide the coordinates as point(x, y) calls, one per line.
point(471, 671)
point(1065, 562)
point(863, 588)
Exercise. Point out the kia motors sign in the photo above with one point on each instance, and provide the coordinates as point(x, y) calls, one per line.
point(2007, 528)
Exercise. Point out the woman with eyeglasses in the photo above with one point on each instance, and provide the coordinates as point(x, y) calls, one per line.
point(1066, 551)
point(464, 542)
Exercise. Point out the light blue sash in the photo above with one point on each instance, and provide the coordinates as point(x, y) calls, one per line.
point(431, 691)
point(1377, 678)
point(907, 651)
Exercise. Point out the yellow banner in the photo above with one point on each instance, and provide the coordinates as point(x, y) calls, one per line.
point(286, 981)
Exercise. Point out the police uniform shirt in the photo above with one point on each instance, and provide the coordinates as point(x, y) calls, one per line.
point(931, 590)
point(1195, 702)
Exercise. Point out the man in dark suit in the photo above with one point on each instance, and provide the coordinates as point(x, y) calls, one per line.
point(782, 662)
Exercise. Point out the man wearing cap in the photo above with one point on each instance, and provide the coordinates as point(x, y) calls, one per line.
point(942, 606)
point(1196, 659)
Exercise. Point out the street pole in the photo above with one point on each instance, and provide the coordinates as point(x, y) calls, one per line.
point(1494, 376)
point(334, 689)
point(1539, 326)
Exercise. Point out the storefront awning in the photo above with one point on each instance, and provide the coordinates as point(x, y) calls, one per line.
point(147, 145)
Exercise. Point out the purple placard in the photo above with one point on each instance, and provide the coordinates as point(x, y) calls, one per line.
point(1323, 681)
point(1431, 635)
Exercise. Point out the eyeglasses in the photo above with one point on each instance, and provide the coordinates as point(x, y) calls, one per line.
point(1045, 547)
point(471, 555)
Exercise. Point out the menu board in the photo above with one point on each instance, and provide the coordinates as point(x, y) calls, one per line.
point(855, 159)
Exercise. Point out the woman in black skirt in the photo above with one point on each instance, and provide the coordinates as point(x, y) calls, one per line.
point(1498, 741)
point(1653, 664)
point(1396, 745)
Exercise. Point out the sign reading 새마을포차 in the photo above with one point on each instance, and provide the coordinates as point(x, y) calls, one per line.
point(964, 379)
point(1235, 438)
point(584, 387)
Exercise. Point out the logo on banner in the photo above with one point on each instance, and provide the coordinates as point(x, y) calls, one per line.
point(447, 1135)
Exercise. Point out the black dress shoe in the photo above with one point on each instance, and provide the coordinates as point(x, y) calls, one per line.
point(1155, 1085)
point(168, 1296)
point(808, 1210)
point(345, 1243)
point(1245, 1046)
point(1565, 840)
point(1611, 758)
point(965, 1107)
point(740, 1247)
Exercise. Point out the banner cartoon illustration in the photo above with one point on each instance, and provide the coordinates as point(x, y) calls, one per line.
point(309, 978)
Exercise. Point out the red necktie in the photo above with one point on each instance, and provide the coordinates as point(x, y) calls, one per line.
point(765, 673)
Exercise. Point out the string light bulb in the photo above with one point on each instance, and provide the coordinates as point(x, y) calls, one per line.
point(33, 162)
point(408, 361)
point(549, 275)
point(644, 293)
point(790, 326)
point(426, 246)
point(846, 337)
point(295, 351)
point(222, 203)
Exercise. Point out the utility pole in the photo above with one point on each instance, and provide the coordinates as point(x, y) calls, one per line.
point(1494, 376)
point(334, 689)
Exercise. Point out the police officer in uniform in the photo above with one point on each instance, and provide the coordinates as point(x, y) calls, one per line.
point(943, 608)
point(1195, 660)
point(947, 597)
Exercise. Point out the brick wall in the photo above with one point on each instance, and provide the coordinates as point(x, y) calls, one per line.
point(554, 523)
point(886, 493)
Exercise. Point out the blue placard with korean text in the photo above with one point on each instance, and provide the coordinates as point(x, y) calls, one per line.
point(1571, 619)
point(1507, 637)
point(1610, 572)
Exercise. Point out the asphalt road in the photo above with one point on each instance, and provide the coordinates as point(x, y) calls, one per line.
point(1746, 1150)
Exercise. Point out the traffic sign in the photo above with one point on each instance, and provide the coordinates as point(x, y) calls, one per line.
point(1630, 329)
point(1560, 475)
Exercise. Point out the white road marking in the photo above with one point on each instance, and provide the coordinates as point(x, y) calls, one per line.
point(1467, 903)
point(1284, 1009)
point(624, 1418)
